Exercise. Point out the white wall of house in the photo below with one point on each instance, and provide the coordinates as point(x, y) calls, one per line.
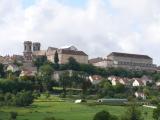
point(140, 95)
point(122, 82)
point(94, 82)
point(114, 82)
point(157, 83)
point(12, 69)
point(135, 83)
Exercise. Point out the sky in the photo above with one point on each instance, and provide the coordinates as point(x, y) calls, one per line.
point(97, 27)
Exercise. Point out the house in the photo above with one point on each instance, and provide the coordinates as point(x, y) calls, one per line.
point(6, 60)
point(111, 77)
point(95, 79)
point(114, 80)
point(28, 71)
point(158, 83)
point(140, 95)
point(146, 79)
point(138, 82)
point(118, 80)
point(18, 58)
point(56, 75)
point(13, 68)
point(101, 62)
point(125, 81)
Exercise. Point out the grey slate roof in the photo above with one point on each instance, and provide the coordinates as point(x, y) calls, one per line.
point(117, 54)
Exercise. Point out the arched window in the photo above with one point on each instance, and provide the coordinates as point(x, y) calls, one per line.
point(25, 48)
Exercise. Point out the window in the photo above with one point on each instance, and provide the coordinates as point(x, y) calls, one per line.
point(25, 47)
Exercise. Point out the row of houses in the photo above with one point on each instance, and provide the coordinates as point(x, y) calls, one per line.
point(29, 71)
point(94, 79)
point(135, 82)
point(130, 82)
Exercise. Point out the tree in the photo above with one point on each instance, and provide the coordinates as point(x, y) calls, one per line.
point(2, 73)
point(13, 115)
point(104, 115)
point(56, 58)
point(73, 64)
point(24, 98)
point(88, 68)
point(40, 61)
point(105, 88)
point(119, 88)
point(46, 72)
point(83, 82)
point(65, 81)
point(156, 113)
point(56, 61)
point(132, 113)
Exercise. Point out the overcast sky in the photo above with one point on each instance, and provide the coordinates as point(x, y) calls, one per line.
point(97, 27)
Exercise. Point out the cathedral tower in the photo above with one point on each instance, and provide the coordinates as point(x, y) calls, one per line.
point(27, 51)
point(36, 46)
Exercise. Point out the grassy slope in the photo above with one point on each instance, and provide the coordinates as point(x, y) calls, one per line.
point(64, 111)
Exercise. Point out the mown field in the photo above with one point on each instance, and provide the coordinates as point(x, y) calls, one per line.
point(65, 111)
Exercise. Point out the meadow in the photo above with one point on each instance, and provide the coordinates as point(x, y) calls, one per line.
point(67, 110)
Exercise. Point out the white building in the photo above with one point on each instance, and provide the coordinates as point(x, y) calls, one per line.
point(13, 68)
point(95, 79)
point(138, 82)
point(140, 95)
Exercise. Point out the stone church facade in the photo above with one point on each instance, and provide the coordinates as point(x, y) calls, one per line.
point(32, 50)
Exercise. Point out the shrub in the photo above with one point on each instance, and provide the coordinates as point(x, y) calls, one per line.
point(49, 118)
point(104, 115)
point(13, 115)
point(24, 98)
point(156, 113)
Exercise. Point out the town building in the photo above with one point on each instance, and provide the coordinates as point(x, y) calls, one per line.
point(65, 53)
point(27, 53)
point(140, 95)
point(99, 62)
point(126, 61)
point(13, 68)
point(28, 71)
point(33, 50)
point(137, 82)
point(95, 79)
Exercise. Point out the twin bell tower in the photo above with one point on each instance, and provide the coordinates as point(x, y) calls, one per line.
point(29, 48)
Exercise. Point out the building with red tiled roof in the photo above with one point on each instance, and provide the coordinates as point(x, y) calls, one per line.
point(95, 79)
point(28, 71)
point(140, 95)
point(138, 82)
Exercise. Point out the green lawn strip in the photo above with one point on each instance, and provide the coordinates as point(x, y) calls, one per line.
point(65, 111)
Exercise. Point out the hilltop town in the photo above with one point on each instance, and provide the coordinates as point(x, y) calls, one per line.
point(59, 74)
point(26, 66)
point(127, 61)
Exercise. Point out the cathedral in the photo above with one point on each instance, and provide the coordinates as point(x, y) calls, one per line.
point(33, 49)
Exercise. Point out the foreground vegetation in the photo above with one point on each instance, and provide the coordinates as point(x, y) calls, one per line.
point(65, 111)
point(20, 96)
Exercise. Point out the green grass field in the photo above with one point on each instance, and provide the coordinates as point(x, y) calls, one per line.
point(64, 111)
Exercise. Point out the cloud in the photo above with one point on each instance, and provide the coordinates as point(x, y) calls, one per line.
point(98, 27)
